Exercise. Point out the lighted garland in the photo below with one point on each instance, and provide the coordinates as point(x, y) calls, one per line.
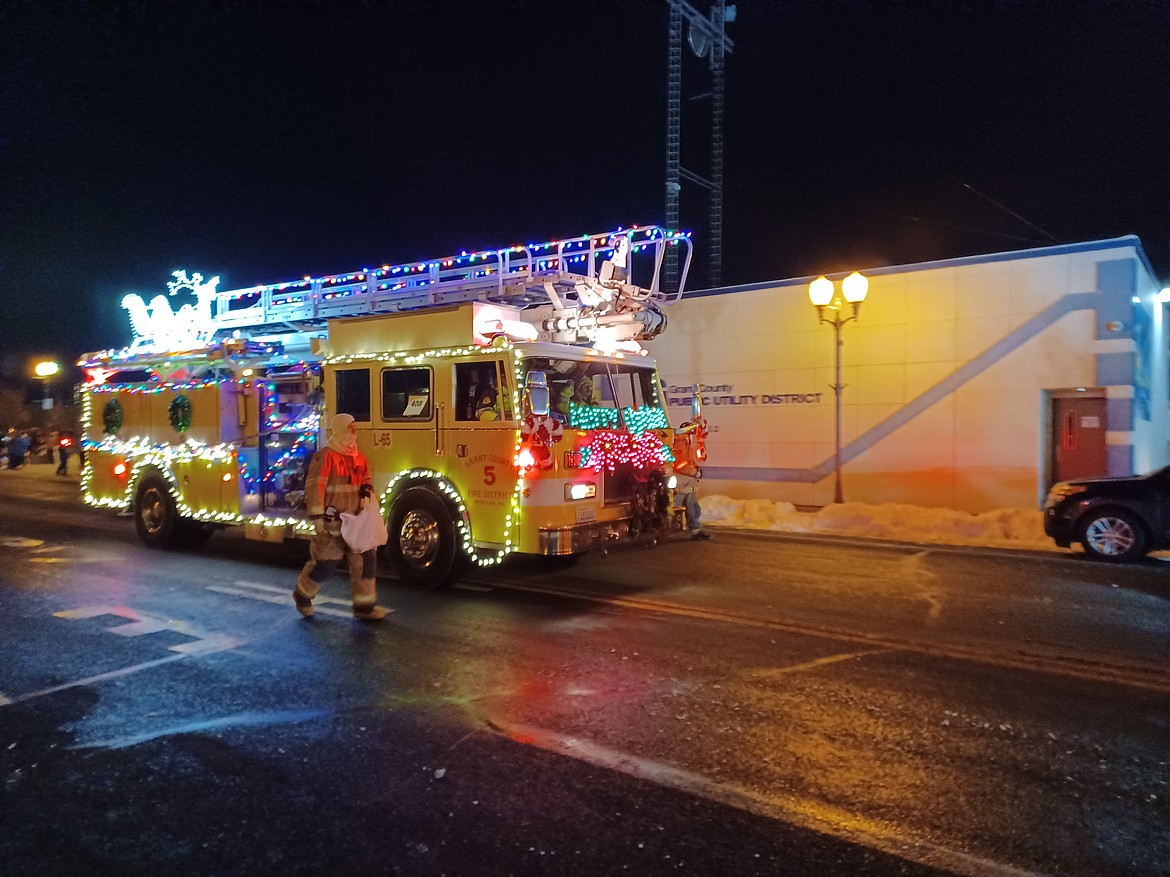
point(179, 412)
point(608, 449)
point(461, 521)
point(112, 417)
point(602, 417)
point(143, 455)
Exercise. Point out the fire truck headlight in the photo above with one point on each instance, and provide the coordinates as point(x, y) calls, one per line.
point(580, 491)
point(119, 469)
point(672, 482)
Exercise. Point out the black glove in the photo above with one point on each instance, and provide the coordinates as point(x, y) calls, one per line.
point(366, 491)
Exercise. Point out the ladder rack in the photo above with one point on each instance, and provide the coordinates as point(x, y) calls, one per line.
point(555, 272)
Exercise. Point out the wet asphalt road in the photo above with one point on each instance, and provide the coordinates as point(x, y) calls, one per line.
point(752, 705)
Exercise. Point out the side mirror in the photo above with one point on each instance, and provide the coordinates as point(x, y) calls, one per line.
point(536, 384)
point(696, 404)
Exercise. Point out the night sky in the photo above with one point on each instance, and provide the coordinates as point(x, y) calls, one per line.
point(263, 141)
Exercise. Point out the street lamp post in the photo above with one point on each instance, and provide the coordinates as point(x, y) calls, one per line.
point(830, 303)
point(45, 371)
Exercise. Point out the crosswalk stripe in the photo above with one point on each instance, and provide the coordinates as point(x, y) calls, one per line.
point(284, 600)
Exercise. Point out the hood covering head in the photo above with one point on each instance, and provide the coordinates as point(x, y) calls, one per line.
point(340, 438)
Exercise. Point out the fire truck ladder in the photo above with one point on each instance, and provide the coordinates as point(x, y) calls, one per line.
point(579, 285)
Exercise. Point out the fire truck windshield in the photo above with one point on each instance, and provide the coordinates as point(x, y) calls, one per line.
point(595, 384)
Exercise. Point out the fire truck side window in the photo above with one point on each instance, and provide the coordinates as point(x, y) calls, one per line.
point(353, 393)
point(406, 394)
point(477, 391)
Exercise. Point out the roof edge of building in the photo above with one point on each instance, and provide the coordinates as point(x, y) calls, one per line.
point(1005, 256)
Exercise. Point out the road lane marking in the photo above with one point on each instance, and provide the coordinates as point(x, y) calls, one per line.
point(142, 624)
point(260, 586)
point(807, 813)
point(138, 628)
point(240, 720)
point(809, 665)
point(101, 677)
point(286, 599)
point(282, 597)
point(96, 610)
point(1147, 677)
point(19, 542)
point(208, 645)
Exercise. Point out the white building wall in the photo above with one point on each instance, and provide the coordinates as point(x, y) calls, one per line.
point(945, 376)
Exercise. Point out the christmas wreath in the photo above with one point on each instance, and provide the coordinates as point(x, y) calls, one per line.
point(180, 413)
point(112, 417)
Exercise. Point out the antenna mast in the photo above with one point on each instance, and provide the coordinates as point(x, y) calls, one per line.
point(706, 37)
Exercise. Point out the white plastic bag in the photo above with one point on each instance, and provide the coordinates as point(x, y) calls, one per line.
point(366, 529)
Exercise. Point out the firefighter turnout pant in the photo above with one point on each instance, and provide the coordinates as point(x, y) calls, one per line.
point(328, 551)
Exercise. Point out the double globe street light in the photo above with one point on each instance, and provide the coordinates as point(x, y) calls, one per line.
point(830, 306)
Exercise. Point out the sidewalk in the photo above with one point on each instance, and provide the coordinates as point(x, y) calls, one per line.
point(1001, 528)
point(44, 470)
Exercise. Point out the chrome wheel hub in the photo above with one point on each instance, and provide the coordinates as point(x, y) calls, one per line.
point(418, 538)
point(151, 510)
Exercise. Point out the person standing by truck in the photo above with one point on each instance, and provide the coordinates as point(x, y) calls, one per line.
point(690, 451)
point(338, 481)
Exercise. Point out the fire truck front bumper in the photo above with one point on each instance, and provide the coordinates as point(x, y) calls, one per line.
point(560, 541)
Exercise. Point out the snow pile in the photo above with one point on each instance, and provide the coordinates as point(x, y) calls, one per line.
point(1010, 528)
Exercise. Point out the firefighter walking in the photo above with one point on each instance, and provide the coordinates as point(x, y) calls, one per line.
point(338, 480)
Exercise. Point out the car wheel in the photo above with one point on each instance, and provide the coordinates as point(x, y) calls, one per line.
point(1113, 534)
point(423, 546)
point(155, 516)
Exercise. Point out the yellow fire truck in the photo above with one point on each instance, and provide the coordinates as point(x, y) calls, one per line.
point(501, 397)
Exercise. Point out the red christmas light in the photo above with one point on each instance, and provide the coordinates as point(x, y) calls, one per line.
point(608, 449)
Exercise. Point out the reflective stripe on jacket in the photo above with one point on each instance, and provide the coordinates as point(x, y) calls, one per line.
point(334, 480)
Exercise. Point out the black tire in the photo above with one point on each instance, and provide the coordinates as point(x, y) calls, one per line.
point(155, 516)
point(423, 547)
point(1115, 535)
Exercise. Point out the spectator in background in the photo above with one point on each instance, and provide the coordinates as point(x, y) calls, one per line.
point(64, 449)
point(18, 450)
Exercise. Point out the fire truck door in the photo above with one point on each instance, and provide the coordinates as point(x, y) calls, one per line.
point(480, 446)
point(407, 429)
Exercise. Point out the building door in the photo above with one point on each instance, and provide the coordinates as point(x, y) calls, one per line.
point(1078, 437)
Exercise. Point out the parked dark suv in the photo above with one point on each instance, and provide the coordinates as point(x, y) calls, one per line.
point(1114, 518)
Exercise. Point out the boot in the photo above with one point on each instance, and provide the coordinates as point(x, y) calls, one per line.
point(370, 613)
point(304, 604)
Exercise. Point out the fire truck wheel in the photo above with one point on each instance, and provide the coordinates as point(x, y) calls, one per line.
point(423, 545)
point(155, 515)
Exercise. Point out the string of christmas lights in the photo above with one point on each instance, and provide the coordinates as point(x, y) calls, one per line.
point(608, 449)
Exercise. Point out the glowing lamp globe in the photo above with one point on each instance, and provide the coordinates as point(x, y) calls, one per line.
point(820, 291)
point(46, 369)
point(855, 287)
